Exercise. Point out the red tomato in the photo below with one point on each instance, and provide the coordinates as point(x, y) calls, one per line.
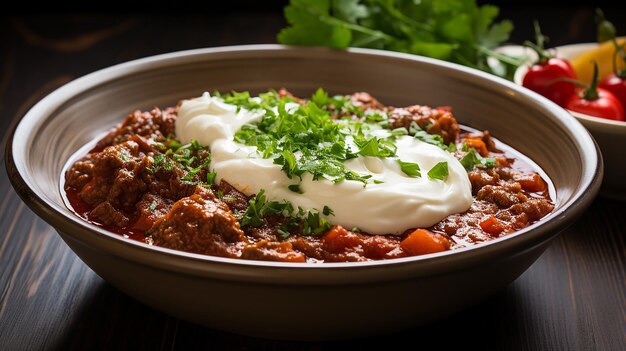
point(543, 78)
point(605, 106)
point(615, 85)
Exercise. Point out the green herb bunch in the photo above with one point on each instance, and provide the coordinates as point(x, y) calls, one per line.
point(453, 30)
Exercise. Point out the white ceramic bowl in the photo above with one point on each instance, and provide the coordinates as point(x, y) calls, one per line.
point(291, 300)
point(610, 135)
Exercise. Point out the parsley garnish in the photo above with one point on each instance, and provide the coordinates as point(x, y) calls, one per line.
point(473, 159)
point(327, 211)
point(439, 171)
point(433, 139)
point(210, 177)
point(295, 188)
point(304, 138)
point(153, 205)
point(410, 169)
point(123, 157)
point(309, 222)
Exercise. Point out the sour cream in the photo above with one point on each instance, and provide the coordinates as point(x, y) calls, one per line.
point(396, 203)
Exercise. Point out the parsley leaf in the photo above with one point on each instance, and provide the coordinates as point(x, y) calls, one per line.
point(410, 169)
point(210, 177)
point(327, 211)
point(422, 135)
point(473, 159)
point(309, 222)
point(295, 188)
point(439, 171)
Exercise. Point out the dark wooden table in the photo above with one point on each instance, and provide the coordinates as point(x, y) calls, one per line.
point(572, 298)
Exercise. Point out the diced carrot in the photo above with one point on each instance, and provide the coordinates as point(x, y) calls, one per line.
point(423, 241)
point(338, 238)
point(491, 225)
point(532, 182)
point(144, 222)
point(479, 145)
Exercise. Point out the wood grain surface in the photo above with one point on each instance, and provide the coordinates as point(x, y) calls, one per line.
point(572, 298)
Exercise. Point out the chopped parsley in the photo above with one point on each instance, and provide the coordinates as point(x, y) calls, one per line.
point(304, 138)
point(123, 157)
point(410, 169)
point(473, 159)
point(439, 171)
point(210, 177)
point(295, 188)
point(192, 159)
point(327, 211)
point(153, 205)
point(309, 222)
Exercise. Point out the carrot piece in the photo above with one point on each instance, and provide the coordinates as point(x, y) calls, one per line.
point(338, 239)
point(423, 241)
point(479, 145)
point(531, 182)
point(491, 225)
point(144, 222)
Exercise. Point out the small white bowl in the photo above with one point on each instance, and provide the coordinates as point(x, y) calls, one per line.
point(610, 135)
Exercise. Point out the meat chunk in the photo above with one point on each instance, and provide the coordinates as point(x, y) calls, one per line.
point(365, 101)
point(201, 224)
point(235, 199)
point(534, 208)
point(433, 120)
point(155, 124)
point(480, 178)
point(503, 196)
point(150, 208)
point(80, 173)
point(116, 176)
point(272, 251)
point(106, 214)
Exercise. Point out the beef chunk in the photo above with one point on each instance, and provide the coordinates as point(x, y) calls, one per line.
point(272, 251)
point(155, 124)
point(201, 224)
point(106, 214)
point(433, 120)
point(80, 173)
point(116, 176)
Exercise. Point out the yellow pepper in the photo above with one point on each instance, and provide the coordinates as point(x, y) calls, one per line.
point(603, 55)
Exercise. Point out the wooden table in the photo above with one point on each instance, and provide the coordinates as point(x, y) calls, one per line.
point(572, 298)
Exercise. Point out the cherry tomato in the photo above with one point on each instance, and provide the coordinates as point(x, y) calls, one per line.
point(548, 75)
point(606, 105)
point(615, 85)
point(543, 78)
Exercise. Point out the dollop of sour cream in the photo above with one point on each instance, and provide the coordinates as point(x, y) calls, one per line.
point(393, 204)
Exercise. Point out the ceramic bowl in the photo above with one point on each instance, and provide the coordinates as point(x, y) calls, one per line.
point(608, 134)
point(302, 301)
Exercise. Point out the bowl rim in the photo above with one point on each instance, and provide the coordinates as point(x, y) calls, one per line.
point(185, 262)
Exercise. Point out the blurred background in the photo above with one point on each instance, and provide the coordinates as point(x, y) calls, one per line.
point(44, 49)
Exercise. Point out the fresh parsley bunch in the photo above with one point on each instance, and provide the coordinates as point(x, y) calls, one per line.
point(453, 30)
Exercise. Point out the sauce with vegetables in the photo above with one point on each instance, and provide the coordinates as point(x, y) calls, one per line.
point(142, 182)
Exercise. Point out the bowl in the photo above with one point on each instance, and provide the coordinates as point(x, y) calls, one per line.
point(304, 301)
point(607, 133)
